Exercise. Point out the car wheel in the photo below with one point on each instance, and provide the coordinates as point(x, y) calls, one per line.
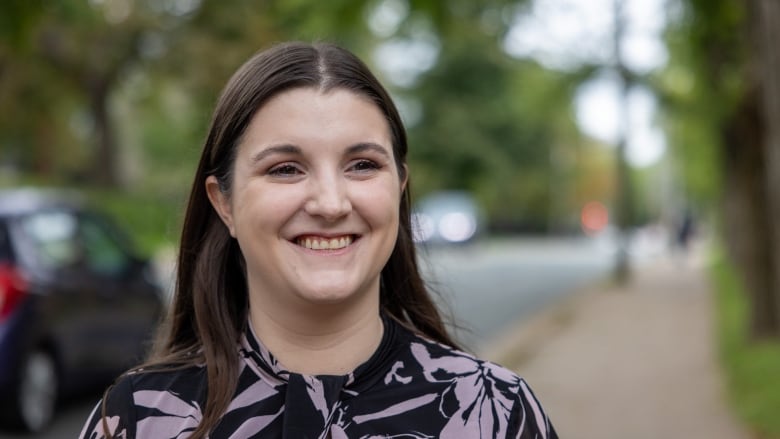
point(37, 394)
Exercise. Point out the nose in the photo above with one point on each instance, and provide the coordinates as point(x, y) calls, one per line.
point(328, 198)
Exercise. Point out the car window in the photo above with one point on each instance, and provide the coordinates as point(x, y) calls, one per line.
point(54, 236)
point(102, 252)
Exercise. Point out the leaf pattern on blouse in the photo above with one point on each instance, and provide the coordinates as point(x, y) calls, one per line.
point(316, 393)
point(476, 392)
point(397, 409)
point(255, 425)
point(177, 418)
point(393, 375)
point(258, 391)
point(98, 433)
point(411, 388)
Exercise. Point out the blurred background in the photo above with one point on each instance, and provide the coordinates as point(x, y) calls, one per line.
point(553, 144)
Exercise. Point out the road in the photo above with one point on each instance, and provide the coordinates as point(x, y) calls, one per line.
point(487, 286)
point(491, 285)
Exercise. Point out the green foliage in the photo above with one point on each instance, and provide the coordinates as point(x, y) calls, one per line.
point(751, 368)
point(340, 20)
point(16, 19)
point(489, 125)
point(700, 88)
point(152, 221)
point(648, 198)
point(75, 53)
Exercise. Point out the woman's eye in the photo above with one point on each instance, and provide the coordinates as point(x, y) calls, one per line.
point(364, 165)
point(285, 170)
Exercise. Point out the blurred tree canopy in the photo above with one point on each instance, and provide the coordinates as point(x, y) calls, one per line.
point(499, 127)
point(118, 93)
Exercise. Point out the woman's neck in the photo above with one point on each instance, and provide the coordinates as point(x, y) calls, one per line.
point(321, 343)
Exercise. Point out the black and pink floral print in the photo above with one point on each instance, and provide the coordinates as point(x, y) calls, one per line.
point(411, 388)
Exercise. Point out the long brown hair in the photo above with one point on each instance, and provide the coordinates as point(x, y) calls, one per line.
point(209, 311)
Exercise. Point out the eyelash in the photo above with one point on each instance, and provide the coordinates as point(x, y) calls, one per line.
point(360, 166)
point(284, 170)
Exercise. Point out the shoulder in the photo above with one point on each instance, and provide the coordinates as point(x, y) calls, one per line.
point(136, 386)
point(473, 382)
point(443, 360)
point(166, 390)
point(147, 393)
point(113, 415)
point(165, 377)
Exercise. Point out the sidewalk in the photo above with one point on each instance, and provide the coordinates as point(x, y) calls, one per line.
point(628, 363)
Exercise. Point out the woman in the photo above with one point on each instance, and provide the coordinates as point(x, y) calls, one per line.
point(299, 309)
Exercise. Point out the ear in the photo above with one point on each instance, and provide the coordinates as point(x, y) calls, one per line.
point(404, 177)
point(221, 203)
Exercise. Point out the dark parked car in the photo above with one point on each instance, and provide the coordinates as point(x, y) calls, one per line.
point(77, 306)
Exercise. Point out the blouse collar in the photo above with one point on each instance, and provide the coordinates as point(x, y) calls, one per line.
point(262, 361)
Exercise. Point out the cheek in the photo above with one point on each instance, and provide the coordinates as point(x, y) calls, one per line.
point(259, 206)
point(379, 207)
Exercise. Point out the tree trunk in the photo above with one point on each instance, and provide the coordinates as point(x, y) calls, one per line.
point(765, 21)
point(746, 214)
point(104, 167)
point(624, 196)
point(95, 76)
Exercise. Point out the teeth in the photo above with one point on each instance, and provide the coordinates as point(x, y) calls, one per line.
point(325, 244)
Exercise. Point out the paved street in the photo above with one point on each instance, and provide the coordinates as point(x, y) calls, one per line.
point(490, 285)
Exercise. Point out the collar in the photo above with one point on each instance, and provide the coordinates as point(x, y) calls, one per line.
point(258, 358)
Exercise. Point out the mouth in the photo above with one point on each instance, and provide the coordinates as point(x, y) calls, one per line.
point(325, 243)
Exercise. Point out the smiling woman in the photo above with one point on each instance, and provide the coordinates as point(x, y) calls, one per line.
point(299, 309)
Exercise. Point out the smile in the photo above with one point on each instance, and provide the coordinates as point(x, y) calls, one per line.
point(321, 243)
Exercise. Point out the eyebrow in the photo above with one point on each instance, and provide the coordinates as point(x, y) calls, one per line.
point(292, 149)
point(368, 146)
point(276, 149)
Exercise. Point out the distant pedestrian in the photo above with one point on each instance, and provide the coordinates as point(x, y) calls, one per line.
point(299, 310)
point(685, 230)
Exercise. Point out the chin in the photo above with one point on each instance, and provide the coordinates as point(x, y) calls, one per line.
point(331, 295)
point(326, 296)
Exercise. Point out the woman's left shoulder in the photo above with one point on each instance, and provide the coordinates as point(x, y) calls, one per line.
point(443, 358)
point(477, 382)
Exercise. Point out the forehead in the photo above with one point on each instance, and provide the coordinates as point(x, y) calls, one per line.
point(317, 104)
point(307, 114)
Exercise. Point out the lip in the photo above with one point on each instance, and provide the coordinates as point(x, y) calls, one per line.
point(325, 236)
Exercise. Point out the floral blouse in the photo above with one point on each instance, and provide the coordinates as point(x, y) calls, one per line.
point(410, 388)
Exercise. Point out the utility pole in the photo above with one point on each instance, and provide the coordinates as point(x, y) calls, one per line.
point(623, 196)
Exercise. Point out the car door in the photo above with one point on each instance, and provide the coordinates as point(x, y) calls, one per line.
point(129, 301)
point(97, 305)
point(67, 300)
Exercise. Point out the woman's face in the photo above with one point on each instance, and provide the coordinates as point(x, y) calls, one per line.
point(315, 198)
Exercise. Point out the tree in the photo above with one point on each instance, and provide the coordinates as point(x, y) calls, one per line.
point(624, 199)
point(72, 56)
point(104, 77)
point(764, 21)
point(64, 63)
point(483, 121)
point(728, 44)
